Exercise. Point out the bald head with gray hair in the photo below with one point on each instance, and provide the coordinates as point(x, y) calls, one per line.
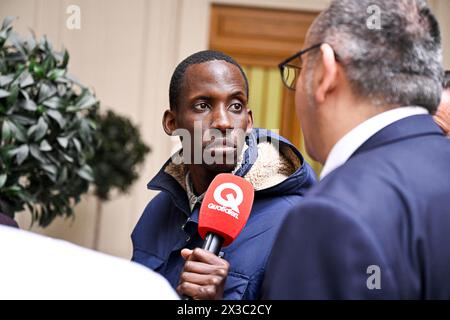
point(397, 64)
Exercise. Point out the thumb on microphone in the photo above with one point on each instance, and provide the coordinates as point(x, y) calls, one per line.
point(186, 253)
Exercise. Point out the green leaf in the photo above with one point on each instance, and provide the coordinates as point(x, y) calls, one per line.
point(52, 171)
point(40, 109)
point(23, 120)
point(29, 105)
point(50, 168)
point(22, 154)
point(30, 43)
point(45, 146)
point(86, 173)
point(25, 196)
point(4, 93)
point(13, 189)
point(38, 71)
point(3, 178)
point(5, 80)
point(72, 109)
point(15, 40)
point(6, 150)
point(37, 154)
point(63, 141)
point(55, 74)
point(85, 131)
point(6, 131)
point(14, 93)
point(92, 124)
point(87, 100)
point(62, 90)
point(31, 130)
point(65, 59)
point(7, 22)
point(46, 91)
point(3, 36)
point(53, 103)
point(18, 131)
point(62, 175)
point(53, 159)
point(68, 158)
point(77, 144)
point(49, 63)
point(25, 94)
point(41, 129)
point(20, 67)
point(56, 115)
point(47, 44)
point(25, 79)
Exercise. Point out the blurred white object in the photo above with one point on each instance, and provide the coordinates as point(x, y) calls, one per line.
point(37, 267)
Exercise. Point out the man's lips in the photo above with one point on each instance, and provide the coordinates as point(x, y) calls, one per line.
point(221, 145)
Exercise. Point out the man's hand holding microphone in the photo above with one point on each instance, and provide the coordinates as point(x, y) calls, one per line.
point(223, 214)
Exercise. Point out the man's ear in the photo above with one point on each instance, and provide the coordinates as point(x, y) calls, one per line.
point(328, 78)
point(169, 122)
point(249, 121)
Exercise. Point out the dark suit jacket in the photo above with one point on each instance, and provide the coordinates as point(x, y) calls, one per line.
point(388, 206)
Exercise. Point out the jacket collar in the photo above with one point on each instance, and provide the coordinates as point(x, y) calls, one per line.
point(291, 175)
point(411, 127)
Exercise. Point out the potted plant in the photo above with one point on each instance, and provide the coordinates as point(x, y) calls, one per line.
point(47, 122)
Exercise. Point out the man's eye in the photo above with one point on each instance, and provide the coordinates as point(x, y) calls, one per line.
point(236, 107)
point(201, 106)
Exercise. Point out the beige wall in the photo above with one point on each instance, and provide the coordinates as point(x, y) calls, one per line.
point(442, 10)
point(127, 51)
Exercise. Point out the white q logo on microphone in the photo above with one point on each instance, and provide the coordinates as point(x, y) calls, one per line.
point(230, 201)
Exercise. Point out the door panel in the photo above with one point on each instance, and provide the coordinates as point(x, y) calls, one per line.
point(259, 39)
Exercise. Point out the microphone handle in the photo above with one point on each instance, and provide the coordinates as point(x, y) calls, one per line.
point(213, 243)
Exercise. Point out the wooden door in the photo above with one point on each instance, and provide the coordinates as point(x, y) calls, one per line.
point(259, 39)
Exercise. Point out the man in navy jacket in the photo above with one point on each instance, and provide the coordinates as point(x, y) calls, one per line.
point(378, 223)
point(208, 92)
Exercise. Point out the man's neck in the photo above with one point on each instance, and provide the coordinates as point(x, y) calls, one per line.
point(350, 142)
point(348, 119)
point(201, 178)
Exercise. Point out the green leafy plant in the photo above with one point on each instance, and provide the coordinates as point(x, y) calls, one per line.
point(117, 158)
point(47, 122)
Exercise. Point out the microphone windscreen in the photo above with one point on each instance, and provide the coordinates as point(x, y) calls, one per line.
point(226, 207)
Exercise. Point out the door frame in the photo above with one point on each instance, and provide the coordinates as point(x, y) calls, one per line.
point(194, 18)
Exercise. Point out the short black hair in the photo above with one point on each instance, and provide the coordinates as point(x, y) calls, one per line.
point(446, 83)
point(177, 79)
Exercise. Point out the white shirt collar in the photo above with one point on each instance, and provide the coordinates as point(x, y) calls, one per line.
point(350, 142)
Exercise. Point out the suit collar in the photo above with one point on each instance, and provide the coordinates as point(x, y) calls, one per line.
point(355, 138)
point(407, 128)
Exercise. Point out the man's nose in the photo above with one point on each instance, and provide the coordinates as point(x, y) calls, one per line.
point(221, 120)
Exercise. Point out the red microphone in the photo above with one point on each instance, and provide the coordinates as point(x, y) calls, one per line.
point(225, 210)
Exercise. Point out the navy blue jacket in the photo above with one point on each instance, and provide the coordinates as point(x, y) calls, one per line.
point(7, 221)
point(167, 225)
point(388, 207)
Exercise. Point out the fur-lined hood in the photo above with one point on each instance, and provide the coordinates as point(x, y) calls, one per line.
point(269, 162)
